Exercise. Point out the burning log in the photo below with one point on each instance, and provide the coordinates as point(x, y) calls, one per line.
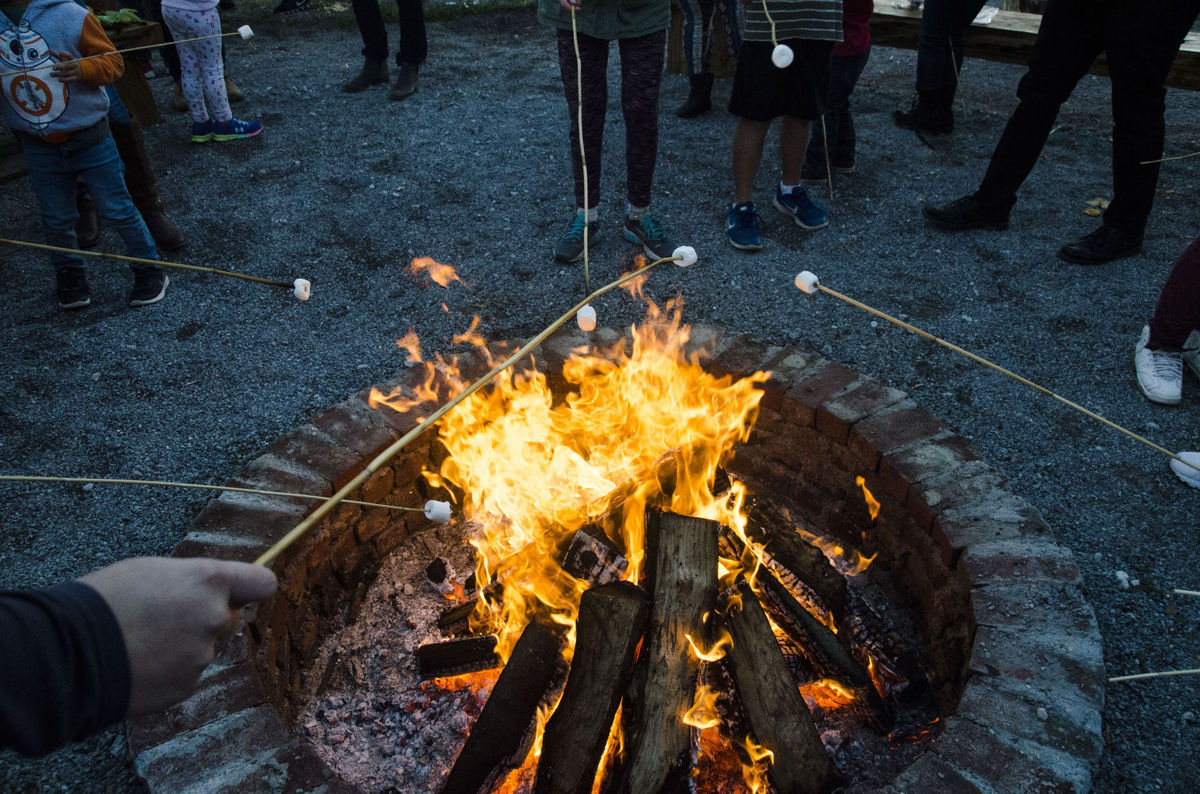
point(455, 657)
point(682, 563)
point(593, 558)
point(811, 570)
point(500, 738)
point(778, 716)
point(877, 623)
point(612, 619)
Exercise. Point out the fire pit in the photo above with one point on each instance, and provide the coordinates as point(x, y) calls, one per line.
point(939, 636)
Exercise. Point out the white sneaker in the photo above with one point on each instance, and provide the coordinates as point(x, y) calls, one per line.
point(1159, 372)
point(1187, 473)
point(1191, 353)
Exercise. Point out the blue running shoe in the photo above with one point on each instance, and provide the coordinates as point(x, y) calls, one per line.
point(202, 131)
point(650, 235)
point(797, 204)
point(236, 128)
point(742, 227)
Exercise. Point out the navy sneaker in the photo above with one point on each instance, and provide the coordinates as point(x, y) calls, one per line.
point(797, 204)
point(236, 128)
point(649, 234)
point(202, 131)
point(742, 227)
point(73, 292)
point(149, 286)
point(569, 247)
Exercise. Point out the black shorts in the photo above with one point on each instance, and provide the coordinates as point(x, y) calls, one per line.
point(762, 91)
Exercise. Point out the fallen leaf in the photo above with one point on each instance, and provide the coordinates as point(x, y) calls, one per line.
point(1098, 201)
point(1091, 211)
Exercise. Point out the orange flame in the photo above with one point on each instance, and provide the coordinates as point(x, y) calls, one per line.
point(714, 654)
point(471, 335)
point(755, 773)
point(827, 694)
point(410, 344)
point(872, 502)
point(703, 711)
point(441, 274)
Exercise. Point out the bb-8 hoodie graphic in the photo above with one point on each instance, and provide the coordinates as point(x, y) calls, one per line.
point(37, 103)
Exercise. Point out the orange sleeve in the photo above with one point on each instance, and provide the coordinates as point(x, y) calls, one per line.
point(93, 41)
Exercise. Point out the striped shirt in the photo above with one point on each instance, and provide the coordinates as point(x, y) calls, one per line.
point(794, 19)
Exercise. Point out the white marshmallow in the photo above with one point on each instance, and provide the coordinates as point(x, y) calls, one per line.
point(782, 56)
point(437, 511)
point(806, 281)
point(586, 317)
point(245, 32)
point(684, 255)
point(301, 289)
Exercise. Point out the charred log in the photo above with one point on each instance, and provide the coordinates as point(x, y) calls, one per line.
point(682, 575)
point(612, 619)
point(455, 657)
point(777, 714)
point(501, 736)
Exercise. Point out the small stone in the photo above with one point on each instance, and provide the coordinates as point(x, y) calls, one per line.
point(408, 589)
point(1042, 714)
point(1189, 716)
point(1123, 580)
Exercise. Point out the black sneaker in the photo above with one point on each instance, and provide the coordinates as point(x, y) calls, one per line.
point(966, 213)
point(1103, 245)
point(649, 233)
point(73, 291)
point(569, 247)
point(149, 286)
point(288, 6)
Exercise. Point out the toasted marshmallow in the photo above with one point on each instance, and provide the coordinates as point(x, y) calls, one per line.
point(301, 289)
point(806, 281)
point(684, 256)
point(586, 318)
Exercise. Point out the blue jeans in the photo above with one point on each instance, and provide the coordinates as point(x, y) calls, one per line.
point(52, 171)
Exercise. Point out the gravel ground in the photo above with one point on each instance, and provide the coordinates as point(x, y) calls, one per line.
point(473, 171)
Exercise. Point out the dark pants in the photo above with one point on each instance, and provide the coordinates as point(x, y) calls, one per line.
point(1178, 310)
point(697, 31)
point(1140, 39)
point(838, 124)
point(413, 46)
point(940, 43)
point(641, 72)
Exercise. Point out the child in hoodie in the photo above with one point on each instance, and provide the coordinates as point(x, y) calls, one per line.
point(55, 103)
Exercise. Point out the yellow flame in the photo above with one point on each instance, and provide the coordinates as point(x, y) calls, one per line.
point(703, 712)
point(410, 344)
point(827, 694)
point(714, 654)
point(755, 773)
point(872, 502)
point(441, 274)
point(471, 335)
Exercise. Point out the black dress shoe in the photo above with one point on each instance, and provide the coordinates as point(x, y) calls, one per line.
point(1103, 245)
point(966, 213)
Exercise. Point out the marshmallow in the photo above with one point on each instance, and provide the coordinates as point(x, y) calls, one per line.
point(806, 281)
point(245, 32)
point(302, 289)
point(1187, 473)
point(437, 511)
point(586, 317)
point(684, 255)
point(782, 56)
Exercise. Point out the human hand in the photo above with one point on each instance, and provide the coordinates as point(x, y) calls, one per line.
point(571, 5)
point(171, 612)
point(67, 69)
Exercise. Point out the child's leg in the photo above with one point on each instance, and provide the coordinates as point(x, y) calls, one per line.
point(100, 166)
point(593, 53)
point(203, 76)
point(53, 182)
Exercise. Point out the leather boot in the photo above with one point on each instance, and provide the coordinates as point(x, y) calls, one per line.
point(143, 187)
point(87, 226)
point(929, 113)
point(699, 96)
point(406, 82)
point(373, 72)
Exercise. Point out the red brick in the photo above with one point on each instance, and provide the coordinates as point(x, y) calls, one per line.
point(219, 694)
point(932, 774)
point(861, 400)
point(317, 451)
point(1005, 765)
point(1022, 560)
point(803, 399)
point(895, 428)
point(359, 428)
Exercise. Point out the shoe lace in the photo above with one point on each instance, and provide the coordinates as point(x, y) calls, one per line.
point(651, 227)
point(1167, 364)
point(575, 232)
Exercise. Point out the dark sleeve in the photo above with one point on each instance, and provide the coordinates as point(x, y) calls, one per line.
point(64, 672)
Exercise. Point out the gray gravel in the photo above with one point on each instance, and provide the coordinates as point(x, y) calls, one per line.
point(473, 171)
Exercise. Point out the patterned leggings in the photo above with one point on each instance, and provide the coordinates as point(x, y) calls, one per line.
point(697, 31)
point(203, 76)
point(641, 72)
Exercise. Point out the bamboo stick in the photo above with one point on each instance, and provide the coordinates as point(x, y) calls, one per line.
point(1140, 676)
point(140, 47)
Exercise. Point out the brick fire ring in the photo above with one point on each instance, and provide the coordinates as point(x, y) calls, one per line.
point(1022, 641)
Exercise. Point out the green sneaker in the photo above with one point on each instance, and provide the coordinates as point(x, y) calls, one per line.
point(569, 247)
point(649, 233)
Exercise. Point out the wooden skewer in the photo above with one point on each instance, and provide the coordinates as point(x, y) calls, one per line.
point(1140, 676)
point(1169, 159)
point(383, 457)
point(1186, 592)
point(29, 69)
point(587, 278)
point(1008, 373)
point(140, 260)
point(169, 484)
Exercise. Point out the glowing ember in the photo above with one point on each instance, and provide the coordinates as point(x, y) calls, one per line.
point(441, 274)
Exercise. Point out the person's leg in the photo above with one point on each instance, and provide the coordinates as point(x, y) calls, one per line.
point(180, 23)
point(593, 54)
point(958, 19)
point(1070, 37)
point(837, 132)
point(53, 183)
point(370, 26)
point(100, 166)
point(1140, 40)
point(142, 184)
point(413, 48)
point(1177, 314)
point(641, 73)
point(748, 138)
point(793, 140)
point(697, 46)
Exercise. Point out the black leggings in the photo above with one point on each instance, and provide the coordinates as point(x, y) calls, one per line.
point(641, 71)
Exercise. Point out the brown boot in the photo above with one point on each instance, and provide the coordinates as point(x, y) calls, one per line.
point(139, 178)
point(87, 226)
point(406, 82)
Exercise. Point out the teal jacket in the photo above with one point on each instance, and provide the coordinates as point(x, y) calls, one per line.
point(609, 19)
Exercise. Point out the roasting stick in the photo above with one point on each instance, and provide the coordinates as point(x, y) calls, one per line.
point(300, 287)
point(807, 282)
point(244, 31)
point(587, 280)
point(169, 484)
point(683, 256)
point(1140, 676)
point(1187, 592)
